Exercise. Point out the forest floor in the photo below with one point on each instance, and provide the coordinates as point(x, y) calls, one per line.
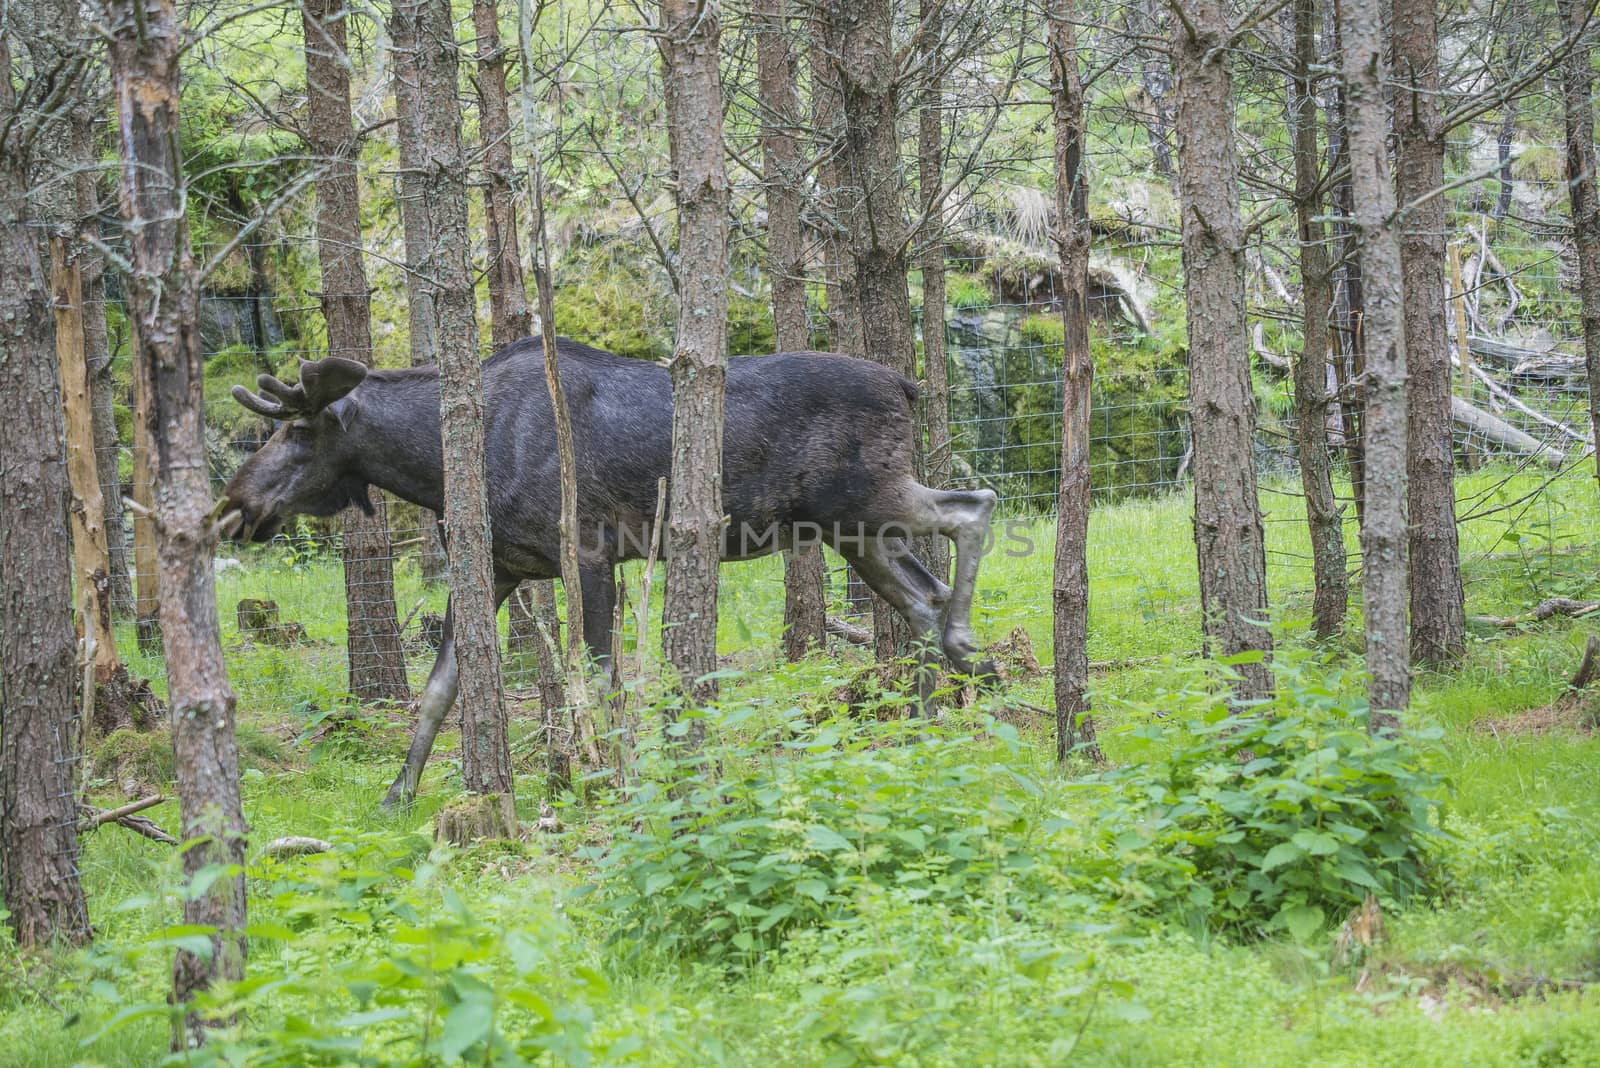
point(827, 888)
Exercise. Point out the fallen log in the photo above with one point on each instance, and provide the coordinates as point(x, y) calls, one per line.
point(847, 631)
point(126, 816)
point(1498, 432)
point(295, 845)
point(1547, 609)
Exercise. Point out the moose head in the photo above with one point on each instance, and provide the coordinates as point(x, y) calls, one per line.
point(306, 466)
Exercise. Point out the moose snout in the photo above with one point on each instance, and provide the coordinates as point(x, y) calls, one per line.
point(241, 521)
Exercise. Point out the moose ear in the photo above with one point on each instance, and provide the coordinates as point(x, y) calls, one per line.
point(327, 380)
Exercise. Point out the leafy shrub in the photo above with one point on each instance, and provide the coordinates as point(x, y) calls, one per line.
point(367, 956)
point(1277, 821)
point(796, 826)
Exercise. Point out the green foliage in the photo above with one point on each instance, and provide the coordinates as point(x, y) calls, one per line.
point(1281, 818)
point(966, 292)
point(725, 866)
point(368, 956)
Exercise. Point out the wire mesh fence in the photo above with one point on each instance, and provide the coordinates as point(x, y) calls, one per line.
point(1521, 436)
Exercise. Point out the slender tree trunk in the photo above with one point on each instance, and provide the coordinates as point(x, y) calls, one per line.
point(485, 750)
point(38, 816)
point(405, 41)
point(102, 406)
point(377, 658)
point(845, 328)
point(510, 313)
point(1577, 85)
point(1158, 87)
point(1383, 534)
point(1508, 132)
point(146, 567)
point(1070, 588)
point(930, 176)
point(1438, 609)
point(577, 686)
point(804, 606)
point(1227, 520)
point(690, 32)
point(873, 213)
point(163, 301)
point(1324, 517)
point(1349, 347)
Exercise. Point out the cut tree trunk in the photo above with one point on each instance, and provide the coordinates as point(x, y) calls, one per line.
point(1384, 528)
point(1438, 607)
point(1227, 520)
point(146, 37)
point(485, 749)
point(377, 663)
point(38, 716)
point(1070, 587)
point(1577, 84)
point(690, 32)
point(1324, 517)
point(804, 604)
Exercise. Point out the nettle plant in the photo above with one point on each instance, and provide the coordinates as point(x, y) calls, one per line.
point(1281, 818)
point(721, 856)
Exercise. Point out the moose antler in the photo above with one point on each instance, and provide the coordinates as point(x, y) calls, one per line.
point(327, 380)
point(288, 401)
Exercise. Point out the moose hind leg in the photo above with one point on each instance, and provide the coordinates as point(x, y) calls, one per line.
point(915, 594)
point(437, 697)
point(962, 516)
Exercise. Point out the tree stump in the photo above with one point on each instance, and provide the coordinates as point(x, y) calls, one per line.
point(477, 817)
point(258, 620)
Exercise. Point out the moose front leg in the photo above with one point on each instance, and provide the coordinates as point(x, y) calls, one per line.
point(438, 696)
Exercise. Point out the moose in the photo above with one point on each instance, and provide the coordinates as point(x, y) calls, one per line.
point(815, 445)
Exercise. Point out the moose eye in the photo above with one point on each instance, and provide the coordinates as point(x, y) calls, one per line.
point(298, 432)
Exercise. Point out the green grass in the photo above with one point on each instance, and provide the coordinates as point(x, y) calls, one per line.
point(1494, 968)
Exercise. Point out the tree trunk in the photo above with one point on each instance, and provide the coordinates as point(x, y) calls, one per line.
point(1323, 515)
point(804, 605)
point(38, 815)
point(1227, 519)
point(485, 750)
point(510, 313)
point(377, 658)
point(146, 567)
point(405, 41)
point(845, 328)
point(1383, 533)
point(1577, 85)
point(67, 198)
point(861, 43)
point(1070, 587)
point(107, 445)
point(1349, 347)
point(689, 37)
point(1158, 87)
point(163, 304)
point(575, 676)
point(936, 372)
point(91, 557)
point(1438, 609)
